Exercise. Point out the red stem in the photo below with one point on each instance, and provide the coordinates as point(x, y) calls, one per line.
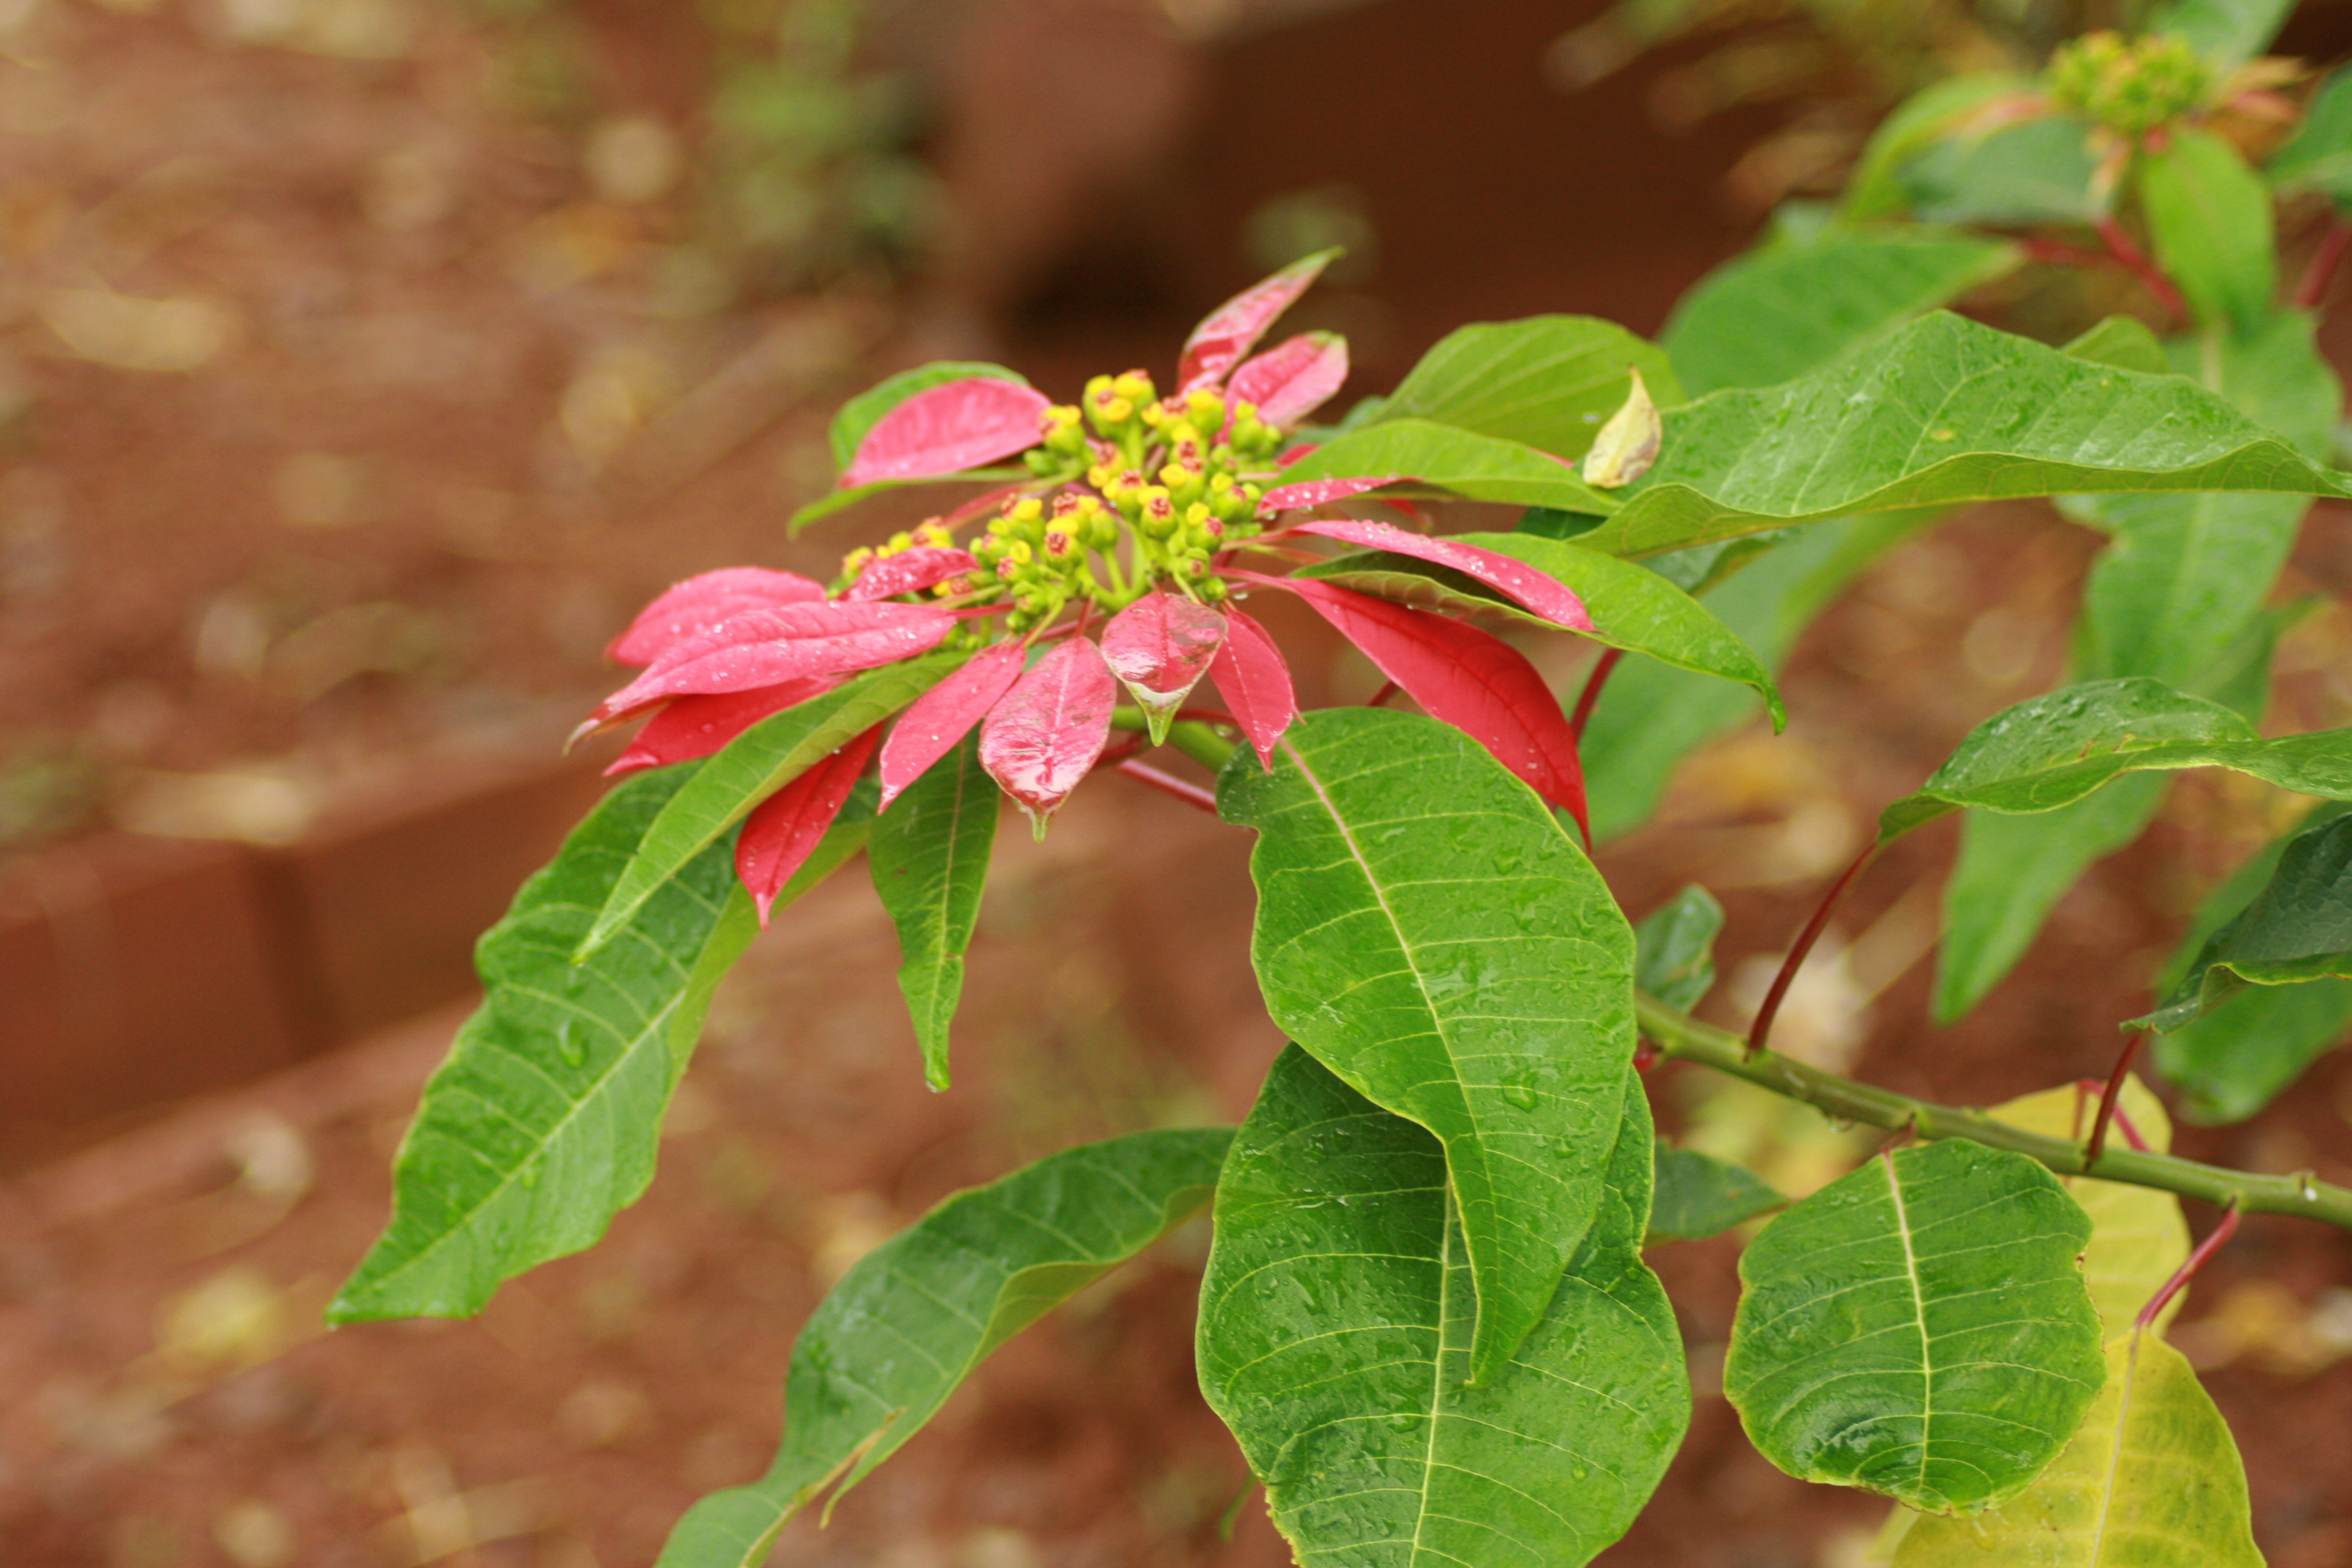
point(2139, 265)
point(1169, 783)
point(2058, 253)
point(2322, 271)
point(2089, 1088)
point(2172, 1287)
point(2098, 1139)
point(1380, 699)
point(1645, 1056)
point(1585, 701)
point(1762, 1030)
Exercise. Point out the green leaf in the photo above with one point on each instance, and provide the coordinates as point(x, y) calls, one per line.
point(2226, 32)
point(1934, 415)
point(1650, 717)
point(1546, 382)
point(1699, 1195)
point(2123, 342)
point(1673, 949)
point(2236, 1059)
point(543, 1122)
point(2152, 1480)
point(860, 414)
point(1632, 607)
point(1458, 462)
point(1821, 299)
point(2138, 1237)
point(2209, 215)
point(2011, 872)
point(1333, 1340)
point(1428, 931)
point(2299, 928)
point(2319, 155)
point(911, 1319)
point(1919, 1328)
point(2019, 174)
point(929, 860)
point(1875, 190)
point(837, 500)
point(2053, 750)
point(753, 766)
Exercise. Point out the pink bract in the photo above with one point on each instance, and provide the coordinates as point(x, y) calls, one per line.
point(938, 721)
point(1161, 645)
point(762, 648)
point(909, 572)
point(947, 428)
point(1234, 328)
point(785, 829)
point(1294, 379)
point(1255, 684)
point(1544, 594)
point(1316, 492)
point(1041, 739)
point(684, 609)
point(693, 727)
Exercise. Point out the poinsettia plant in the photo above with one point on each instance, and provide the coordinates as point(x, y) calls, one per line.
point(1425, 1314)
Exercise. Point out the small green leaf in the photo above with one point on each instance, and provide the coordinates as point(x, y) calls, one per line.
point(2017, 173)
point(1428, 931)
point(2236, 1059)
point(1699, 1195)
point(1546, 382)
point(1458, 462)
point(1334, 1340)
point(1632, 607)
point(1823, 299)
point(911, 1319)
point(753, 766)
point(1929, 417)
point(2209, 215)
point(1919, 1328)
point(2226, 32)
point(2152, 1480)
point(2299, 928)
point(2053, 750)
point(860, 413)
point(1673, 949)
point(543, 1122)
point(1876, 189)
point(2319, 155)
point(2123, 342)
point(929, 859)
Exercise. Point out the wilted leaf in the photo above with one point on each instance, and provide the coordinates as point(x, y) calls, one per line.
point(1627, 445)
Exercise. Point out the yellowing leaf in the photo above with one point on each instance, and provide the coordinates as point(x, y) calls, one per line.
point(2152, 1480)
point(2138, 1236)
point(1628, 444)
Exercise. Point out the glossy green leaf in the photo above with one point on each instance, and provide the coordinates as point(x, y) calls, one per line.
point(1632, 607)
point(1937, 415)
point(1333, 1340)
point(1876, 189)
point(1650, 717)
point(2296, 930)
point(2319, 155)
point(1457, 462)
point(2123, 342)
point(1919, 1328)
point(929, 859)
point(2152, 1480)
point(2236, 1059)
point(859, 413)
point(2227, 33)
point(911, 1319)
point(2208, 217)
point(1823, 299)
point(1547, 382)
point(2053, 750)
point(1673, 948)
point(1699, 1195)
point(2011, 873)
point(1427, 929)
point(2138, 1235)
point(543, 1122)
point(2019, 173)
point(753, 766)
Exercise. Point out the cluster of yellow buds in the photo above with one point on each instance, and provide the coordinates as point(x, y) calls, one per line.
point(1041, 557)
point(929, 534)
point(2130, 86)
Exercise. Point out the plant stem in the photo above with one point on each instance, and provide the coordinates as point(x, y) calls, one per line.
point(2142, 266)
point(1762, 1030)
point(1677, 1034)
point(2113, 1090)
point(1201, 743)
point(1169, 783)
point(2322, 272)
point(1591, 693)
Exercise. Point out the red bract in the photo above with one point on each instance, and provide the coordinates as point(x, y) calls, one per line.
point(941, 718)
point(685, 608)
point(762, 648)
point(1234, 328)
point(1040, 741)
point(1316, 492)
point(949, 428)
point(1255, 684)
point(785, 829)
point(909, 572)
point(1479, 684)
point(696, 726)
point(1291, 381)
point(1544, 594)
point(1159, 646)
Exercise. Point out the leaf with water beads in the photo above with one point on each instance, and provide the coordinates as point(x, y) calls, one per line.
point(935, 722)
point(690, 727)
point(1234, 328)
point(1542, 594)
point(909, 572)
point(1050, 729)
point(789, 642)
point(946, 429)
point(1159, 648)
point(1255, 681)
point(784, 830)
point(1292, 379)
point(699, 602)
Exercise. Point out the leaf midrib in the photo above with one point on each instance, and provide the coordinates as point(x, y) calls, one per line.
point(1919, 1307)
point(2115, 1452)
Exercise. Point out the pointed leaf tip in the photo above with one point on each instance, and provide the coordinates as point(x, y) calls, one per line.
point(1234, 328)
point(783, 830)
point(1540, 592)
point(937, 721)
point(1255, 681)
point(949, 428)
point(1042, 738)
point(1317, 492)
point(690, 727)
point(1292, 379)
point(1159, 646)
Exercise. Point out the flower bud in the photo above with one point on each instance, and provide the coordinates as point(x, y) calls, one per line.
point(1206, 410)
point(1134, 386)
point(1158, 520)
